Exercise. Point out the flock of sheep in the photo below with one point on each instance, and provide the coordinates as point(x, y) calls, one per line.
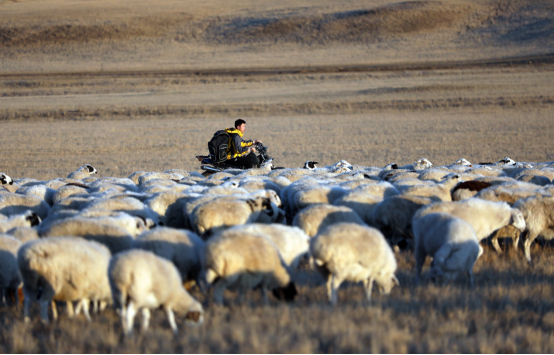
point(139, 242)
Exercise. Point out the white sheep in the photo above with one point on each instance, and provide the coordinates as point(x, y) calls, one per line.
point(209, 217)
point(24, 234)
point(44, 192)
point(10, 279)
point(68, 191)
point(441, 190)
point(111, 235)
point(539, 218)
point(351, 252)
point(314, 219)
point(140, 281)
point(26, 219)
point(243, 261)
point(293, 244)
point(183, 248)
point(450, 241)
point(393, 216)
point(83, 172)
point(315, 195)
point(362, 203)
point(14, 204)
point(63, 269)
point(484, 216)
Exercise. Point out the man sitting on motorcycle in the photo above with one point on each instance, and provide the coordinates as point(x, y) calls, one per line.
point(241, 153)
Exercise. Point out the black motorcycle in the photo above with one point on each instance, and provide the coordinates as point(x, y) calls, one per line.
point(210, 167)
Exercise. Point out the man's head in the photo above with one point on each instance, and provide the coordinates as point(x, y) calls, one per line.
point(240, 124)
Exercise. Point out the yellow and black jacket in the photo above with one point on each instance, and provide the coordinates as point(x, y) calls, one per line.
point(237, 146)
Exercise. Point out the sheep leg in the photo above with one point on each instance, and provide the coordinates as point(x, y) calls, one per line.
point(86, 303)
point(471, 279)
point(70, 312)
point(54, 310)
point(26, 306)
point(171, 319)
point(368, 286)
point(77, 308)
point(527, 246)
point(335, 284)
point(219, 288)
point(145, 319)
point(102, 306)
point(515, 239)
point(420, 260)
point(495, 244)
point(129, 318)
point(3, 296)
point(44, 311)
point(264, 295)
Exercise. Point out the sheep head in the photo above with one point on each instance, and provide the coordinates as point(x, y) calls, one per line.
point(517, 219)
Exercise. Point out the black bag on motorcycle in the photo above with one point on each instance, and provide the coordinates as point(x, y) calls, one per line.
point(218, 146)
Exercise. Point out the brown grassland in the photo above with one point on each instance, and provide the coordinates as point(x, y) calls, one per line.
point(135, 85)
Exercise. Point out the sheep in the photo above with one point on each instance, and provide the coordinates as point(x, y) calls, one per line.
point(114, 237)
point(9, 272)
point(538, 212)
point(24, 234)
point(441, 190)
point(123, 203)
point(185, 249)
point(467, 189)
point(40, 190)
point(450, 241)
point(351, 252)
point(63, 269)
point(239, 260)
point(8, 183)
point(26, 219)
point(169, 207)
point(140, 280)
point(13, 204)
point(83, 172)
point(291, 242)
point(149, 176)
point(315, 195)
point(211, 216)
point(134, 225)
point(362, 203)
point(312, 220)
point(484, 216)
point(535, 179)
point(68, 191)
point(123, 184)
point(393, 216)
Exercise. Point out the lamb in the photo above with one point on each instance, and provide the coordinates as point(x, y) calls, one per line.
point(484, 216)
point(351, 252)
point(209, 217)
point(9, 272)
point(14, 204)
point(26, 219)
point(393, 216)
point(63, 269)
point(243, 261)
point(314, 219)
point(291, 242)
point(140, 280)
point(539, 218)
point(184, 249)
point(451, 241)
point(83, 172)
point(114, 237)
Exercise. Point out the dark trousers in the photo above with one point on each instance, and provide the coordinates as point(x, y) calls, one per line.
point(249, 161)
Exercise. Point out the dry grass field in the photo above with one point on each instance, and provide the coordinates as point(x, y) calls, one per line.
point(135, 85)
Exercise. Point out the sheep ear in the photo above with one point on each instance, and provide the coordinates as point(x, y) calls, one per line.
point(395, 280)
